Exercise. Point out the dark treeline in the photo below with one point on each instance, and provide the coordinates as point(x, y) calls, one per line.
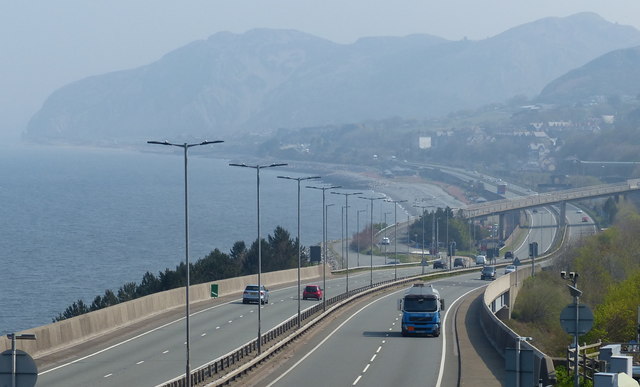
point(279, 252)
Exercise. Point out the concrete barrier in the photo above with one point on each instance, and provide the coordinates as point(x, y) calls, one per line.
point(499, 334)
point(67, 333)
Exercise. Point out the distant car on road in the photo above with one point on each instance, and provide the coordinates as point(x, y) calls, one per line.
point(579, 212)
point(439, 264)
point(488, 272)
point(460, 262)
point(585, 219)
point(509, 269)
point(250, 294)
point(508, 255)
point(312, 291)
point(385, 241)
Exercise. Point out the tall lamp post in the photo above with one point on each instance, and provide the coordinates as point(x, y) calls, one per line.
point(395, 235)
point(258, 168)
point(358, 230)
point(424, 215)
point(346, 222)
point(324, 241)
point(342, 241)
point(438, 236)
point(385, 235)
point(299, 179)
point(371, 262)
point(186, 147)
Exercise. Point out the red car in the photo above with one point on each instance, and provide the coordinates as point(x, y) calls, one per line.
point(312, 291)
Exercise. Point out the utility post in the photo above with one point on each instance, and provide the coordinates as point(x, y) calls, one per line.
point(575, 319)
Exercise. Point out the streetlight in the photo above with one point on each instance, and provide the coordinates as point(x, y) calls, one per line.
point(395, 234)
point(424, 215)
point(371, 264)
point(448, 242)
point(258, 168)
point(186, 147)
point(346, 222)
point(298, 179)
point(324, 241)
point(385, 235)
point(13, 337)
point(358, 239)
point(438, 236)
point(342, 254)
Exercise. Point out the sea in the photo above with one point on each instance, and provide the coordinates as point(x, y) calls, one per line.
point(77, 221)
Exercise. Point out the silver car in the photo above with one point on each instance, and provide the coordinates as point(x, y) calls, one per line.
point(250, 294)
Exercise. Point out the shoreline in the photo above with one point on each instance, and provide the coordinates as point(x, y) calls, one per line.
point(412, 189)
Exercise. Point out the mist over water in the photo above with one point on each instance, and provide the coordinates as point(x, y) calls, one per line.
point(77, 221)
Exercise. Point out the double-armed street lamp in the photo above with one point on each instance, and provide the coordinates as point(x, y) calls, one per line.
point(186, 147)
point(371, 262)
point(395, 235)
point(299, 179)
point(346, 222)
point(258, 168)
point(324, 240)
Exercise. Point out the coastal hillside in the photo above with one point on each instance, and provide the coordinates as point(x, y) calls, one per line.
point(263, 80)
point(615, 74)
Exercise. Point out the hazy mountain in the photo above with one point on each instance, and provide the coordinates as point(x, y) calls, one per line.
point(267, 79)
point(613, 74)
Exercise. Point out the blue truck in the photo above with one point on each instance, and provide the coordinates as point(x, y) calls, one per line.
point(421, 310)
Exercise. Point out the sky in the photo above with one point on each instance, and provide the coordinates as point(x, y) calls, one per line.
point(46, 44)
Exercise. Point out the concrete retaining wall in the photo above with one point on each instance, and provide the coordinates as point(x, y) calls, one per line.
point(69, 332)
point(500, 335)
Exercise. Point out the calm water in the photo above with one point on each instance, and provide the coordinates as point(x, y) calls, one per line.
point(78, 221)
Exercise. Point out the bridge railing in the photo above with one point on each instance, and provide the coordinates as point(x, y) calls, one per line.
point(548, 198)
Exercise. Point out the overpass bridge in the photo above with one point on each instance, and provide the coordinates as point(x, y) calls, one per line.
point(501, 207)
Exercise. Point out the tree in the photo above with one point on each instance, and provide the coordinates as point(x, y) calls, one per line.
point(150, 284)
point(75, 309)
point(127, 292)
point(214, 266)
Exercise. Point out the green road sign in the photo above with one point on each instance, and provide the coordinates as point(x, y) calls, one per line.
point(214, 290)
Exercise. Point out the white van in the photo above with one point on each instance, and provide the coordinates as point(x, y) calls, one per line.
point(481, 259)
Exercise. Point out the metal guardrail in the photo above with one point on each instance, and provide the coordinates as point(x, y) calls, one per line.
point(221, 370)
point(216, 373)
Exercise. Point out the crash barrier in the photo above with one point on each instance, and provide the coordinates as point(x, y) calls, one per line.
point(501, 336)
point(501, 294)
point(216, 369)
point(69, 332)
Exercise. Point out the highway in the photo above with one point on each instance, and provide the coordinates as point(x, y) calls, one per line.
point(158, 354)
point(368, 340)
point(367, 349)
